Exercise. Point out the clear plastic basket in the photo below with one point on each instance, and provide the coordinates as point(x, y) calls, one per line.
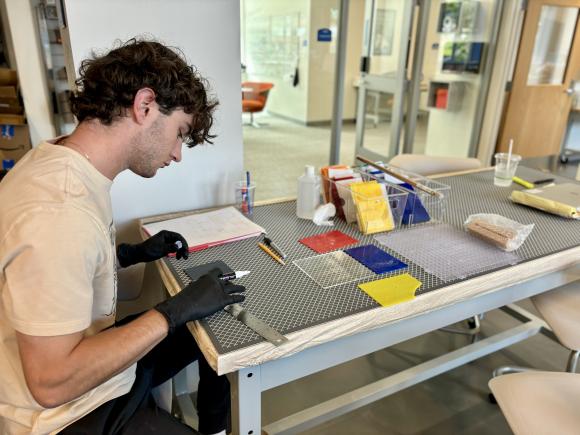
point(420, 206)
point(373, 213)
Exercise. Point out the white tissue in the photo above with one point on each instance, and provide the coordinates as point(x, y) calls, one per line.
point(323, 213)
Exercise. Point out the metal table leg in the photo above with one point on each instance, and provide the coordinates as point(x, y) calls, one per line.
point(246, 396)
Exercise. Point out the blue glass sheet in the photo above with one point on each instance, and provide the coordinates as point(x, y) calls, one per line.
point(375, 259)
point(415, 212)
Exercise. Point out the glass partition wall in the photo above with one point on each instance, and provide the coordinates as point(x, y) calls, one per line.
point(424, 75)
point(415, 80)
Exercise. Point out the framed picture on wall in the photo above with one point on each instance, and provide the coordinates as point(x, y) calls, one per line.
point(458, 17)
point(384, 32)
point(473, 64)
point(468, 16)
point(459, 57)
point(449, 17)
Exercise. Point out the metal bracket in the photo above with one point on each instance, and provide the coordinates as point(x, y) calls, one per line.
point(365, 64)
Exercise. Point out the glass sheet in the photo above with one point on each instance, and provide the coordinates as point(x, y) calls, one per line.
point(556, 28)
point(447, 252)
point(332, 269)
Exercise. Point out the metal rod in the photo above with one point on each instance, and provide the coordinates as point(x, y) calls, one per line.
point(573, 361)
point(336, 127)
point(366, 52)
point(415, 87)
point(506, 370)
point(485, 81)
point(401, 79)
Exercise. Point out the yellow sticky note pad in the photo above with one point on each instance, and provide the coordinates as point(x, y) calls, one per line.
point(393, 290)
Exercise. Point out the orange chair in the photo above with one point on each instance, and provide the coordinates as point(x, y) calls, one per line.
point(254, 97)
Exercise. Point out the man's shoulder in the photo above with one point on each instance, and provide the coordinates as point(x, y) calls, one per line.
point(46, 176)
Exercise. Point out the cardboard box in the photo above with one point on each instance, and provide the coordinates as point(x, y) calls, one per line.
point(8, 77)
point(9, 101)
point(12, 119)
point(14, 137)
point(8, 92)
point(11, 106)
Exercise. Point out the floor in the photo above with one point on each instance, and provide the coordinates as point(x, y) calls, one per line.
point(276, 153)
point(452, 403)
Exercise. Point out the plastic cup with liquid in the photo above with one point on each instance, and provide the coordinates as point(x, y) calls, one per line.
point(505, 168)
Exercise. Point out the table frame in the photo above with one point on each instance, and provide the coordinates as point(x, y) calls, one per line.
point(262, 366)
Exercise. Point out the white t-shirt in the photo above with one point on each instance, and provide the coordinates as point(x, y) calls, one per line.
point(57, 275)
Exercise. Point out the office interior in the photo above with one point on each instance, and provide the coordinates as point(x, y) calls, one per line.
point(401, 77)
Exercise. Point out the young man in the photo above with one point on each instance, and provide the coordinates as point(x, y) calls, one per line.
point(65, 365)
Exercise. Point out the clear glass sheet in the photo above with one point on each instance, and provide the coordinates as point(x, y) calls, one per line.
point(332, 269)
point(446, 252)
point(554, 36)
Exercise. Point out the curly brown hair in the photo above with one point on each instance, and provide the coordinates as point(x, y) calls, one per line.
point(107, 85)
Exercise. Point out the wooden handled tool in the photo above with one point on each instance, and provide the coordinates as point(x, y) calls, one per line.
point(400, 177)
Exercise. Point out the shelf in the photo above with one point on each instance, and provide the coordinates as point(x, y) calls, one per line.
point(446, 96)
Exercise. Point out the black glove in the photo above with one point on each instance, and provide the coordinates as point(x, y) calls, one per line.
point(200, 299)
point(154, 248)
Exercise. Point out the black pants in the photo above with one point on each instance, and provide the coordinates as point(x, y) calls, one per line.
point(136, 412)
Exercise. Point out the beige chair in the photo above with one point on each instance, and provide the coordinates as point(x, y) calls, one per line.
point(539, 402)
point(430, 165)
point(560, 308)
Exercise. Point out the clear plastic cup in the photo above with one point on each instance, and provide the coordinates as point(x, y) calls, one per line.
point(245, 197)
point(505, 169)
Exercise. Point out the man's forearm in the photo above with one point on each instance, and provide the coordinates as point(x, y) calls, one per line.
point(93, 360)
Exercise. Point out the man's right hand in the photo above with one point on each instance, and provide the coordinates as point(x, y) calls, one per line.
point(200, 299)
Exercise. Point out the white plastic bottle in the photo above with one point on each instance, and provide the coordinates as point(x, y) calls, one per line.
point(308, 193)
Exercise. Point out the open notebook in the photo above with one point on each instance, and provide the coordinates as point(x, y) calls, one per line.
point(212, 228)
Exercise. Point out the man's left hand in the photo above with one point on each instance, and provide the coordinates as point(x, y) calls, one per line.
point(154, 248)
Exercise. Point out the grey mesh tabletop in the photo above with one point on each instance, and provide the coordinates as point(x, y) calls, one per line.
point(288, 300)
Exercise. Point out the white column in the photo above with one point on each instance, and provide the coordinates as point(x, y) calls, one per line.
point(23, 30)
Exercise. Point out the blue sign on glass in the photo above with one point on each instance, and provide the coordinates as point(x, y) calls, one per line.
point(324, 35)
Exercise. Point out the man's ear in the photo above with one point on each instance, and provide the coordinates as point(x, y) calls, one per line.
point(143, 102)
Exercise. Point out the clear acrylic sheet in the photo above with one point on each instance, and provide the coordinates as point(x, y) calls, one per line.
point(446, 252)
point(332, 269)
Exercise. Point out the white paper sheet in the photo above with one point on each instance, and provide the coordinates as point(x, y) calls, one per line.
point(212, 228)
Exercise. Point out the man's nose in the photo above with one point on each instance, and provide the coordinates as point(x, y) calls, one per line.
point(177, 152)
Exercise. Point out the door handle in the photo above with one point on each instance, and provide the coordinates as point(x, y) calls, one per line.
point(569, 91)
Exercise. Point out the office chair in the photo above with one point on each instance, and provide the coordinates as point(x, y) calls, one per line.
point(560, 308)
point(539, 402)
point(254, 98)
point(432, 165)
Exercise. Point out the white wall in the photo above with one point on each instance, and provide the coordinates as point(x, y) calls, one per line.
point(384, 64)
point(312, 100)
point(322, 59)
point(272, 56)
point(23, 31)
point(207, 31)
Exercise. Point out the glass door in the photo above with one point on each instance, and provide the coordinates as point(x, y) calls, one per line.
point(383, 81)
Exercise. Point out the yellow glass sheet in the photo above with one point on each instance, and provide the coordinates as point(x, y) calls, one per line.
point(372, 207)
point(393, 290)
